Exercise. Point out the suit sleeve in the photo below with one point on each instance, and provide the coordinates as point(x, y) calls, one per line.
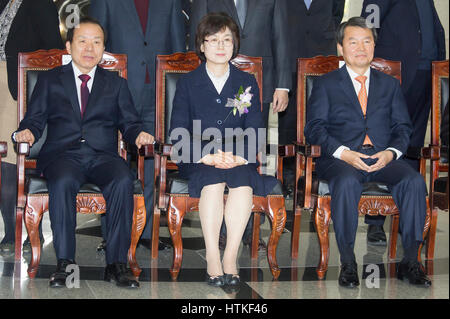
point(198, 10)
point(98, 9)
point(129, 123)
point(177, 28)
point(35, 118)
point(280, 45)
point(317, 112)
point(338, 11)
point(46, 22)
point(401, 127)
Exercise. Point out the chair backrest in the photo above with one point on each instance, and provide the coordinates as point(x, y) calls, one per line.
point(33, 63)
point(440, 95)
point(309, 69)
point(169, 68)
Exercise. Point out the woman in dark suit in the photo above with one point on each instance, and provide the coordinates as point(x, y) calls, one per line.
point(206, 107)
point(25, 26)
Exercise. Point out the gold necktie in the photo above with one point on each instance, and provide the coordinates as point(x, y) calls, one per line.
point(362, 97)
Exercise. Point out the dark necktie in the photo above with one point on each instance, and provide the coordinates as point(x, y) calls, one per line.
point(241, 8)
point(84, 92)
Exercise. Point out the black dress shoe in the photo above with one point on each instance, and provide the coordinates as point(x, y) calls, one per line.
point(348, 277)
point(216, 281)
point(376, 235)
point(147, 243)
point(101, 248)
point(262, 247)
point(231, 280)
point(58, 278)
point(119, 274)
point(414, 273)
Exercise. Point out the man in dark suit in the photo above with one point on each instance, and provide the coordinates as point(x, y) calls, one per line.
point(83, 107)
point(263, 32)
point(142, 29)
point(312, 30)
point(360, 119)
point(415, 41)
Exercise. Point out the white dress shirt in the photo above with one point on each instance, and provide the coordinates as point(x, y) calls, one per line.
point(357, 86)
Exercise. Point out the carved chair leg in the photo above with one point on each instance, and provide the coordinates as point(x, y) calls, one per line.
point(155, 231)
point(33, 216)
point(393, 237)
point(277, 214)
point(296, 232)
point(426, 229)
point(139, 217)
point(322, 220)
point(431, 238)
point(255, 235)
point(18, 238)
point(175, 215)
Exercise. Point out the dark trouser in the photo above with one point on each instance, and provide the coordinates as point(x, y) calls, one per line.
point(406, 185)
point(66, 174)
point(418, 99)
point(8, 201)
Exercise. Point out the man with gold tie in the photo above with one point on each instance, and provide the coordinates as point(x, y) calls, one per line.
point(359, 117)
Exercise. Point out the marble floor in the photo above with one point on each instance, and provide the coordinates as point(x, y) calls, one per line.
point(298, 279)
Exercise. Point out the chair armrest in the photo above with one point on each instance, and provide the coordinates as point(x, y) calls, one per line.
point(308, 150)
point(22, 148)
point(156, 148)
point(3, 148)
point(432, 152)
point(287, 150)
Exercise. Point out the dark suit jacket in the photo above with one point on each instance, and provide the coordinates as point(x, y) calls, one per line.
point(196, 98)
point(264, 34)
point(165, 34)
point(313, 32)
point(35, 26)
point(54, 103)
point(399, 35)
point(335, 118)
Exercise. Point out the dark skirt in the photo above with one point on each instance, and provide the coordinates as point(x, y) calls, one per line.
point(201, 175)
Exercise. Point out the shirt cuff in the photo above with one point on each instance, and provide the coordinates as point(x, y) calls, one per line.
point(337, 153)
point(396, 151)
point(283, 89)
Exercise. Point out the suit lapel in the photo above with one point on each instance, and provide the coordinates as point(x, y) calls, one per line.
point(349, 89)
point(203, 80)
point(373, 91)
point(231, 7)
point(251, 5)
point(97, 88)
point(67, 78)
point(130, 8)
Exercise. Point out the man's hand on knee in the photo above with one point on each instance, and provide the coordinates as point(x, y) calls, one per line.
point(144, 139)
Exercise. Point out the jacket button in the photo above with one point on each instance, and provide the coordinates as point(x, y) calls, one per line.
point(219, 122)
point(219, 101)
point(145, 43)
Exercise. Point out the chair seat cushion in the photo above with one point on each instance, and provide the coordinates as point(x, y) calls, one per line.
point(178, 185)
point(38, 185)
point(369, 189)
point(440, 184)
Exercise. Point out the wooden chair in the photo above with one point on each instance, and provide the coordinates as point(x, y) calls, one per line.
point(312, 194)
point(436, 152)
point(171, 192)
point(32, 200)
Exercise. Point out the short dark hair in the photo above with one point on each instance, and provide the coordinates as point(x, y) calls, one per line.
point(211, 24)
point(84, 20)
point(354, 22)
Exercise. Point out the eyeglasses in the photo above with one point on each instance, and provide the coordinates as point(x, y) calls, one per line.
point(215, 42)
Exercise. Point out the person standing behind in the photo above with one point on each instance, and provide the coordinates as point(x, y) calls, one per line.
point(409, 31)
point(264, 32)
point(312, 29)
point(26, 26)
point(142, 29)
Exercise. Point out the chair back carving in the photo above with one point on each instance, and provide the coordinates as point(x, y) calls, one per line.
point(31, 64)
point(309, 69)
